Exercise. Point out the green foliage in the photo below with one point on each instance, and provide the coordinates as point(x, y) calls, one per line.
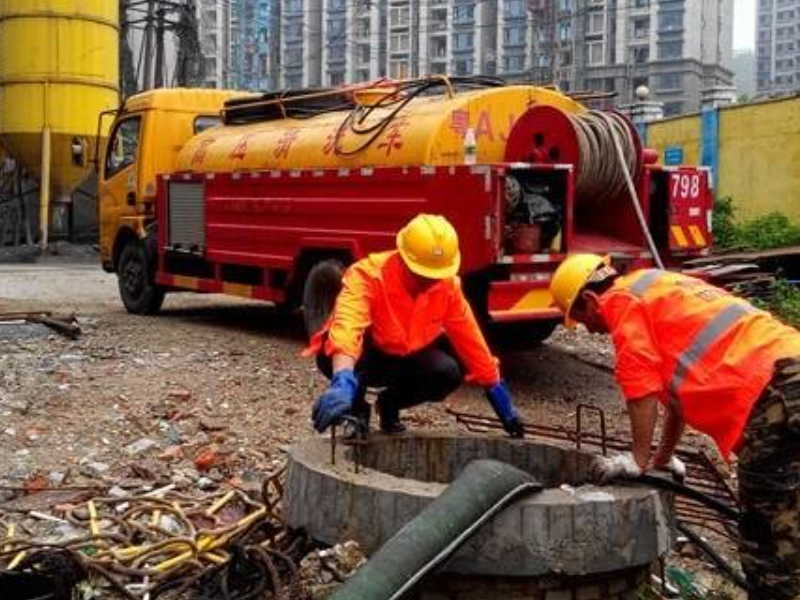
point(786, 303)
point(723, 223)
point(774, 230)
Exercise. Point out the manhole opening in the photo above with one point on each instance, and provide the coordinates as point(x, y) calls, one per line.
point(441, 459)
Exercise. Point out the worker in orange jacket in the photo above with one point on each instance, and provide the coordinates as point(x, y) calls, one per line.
point(719, 365)
point(402, 322)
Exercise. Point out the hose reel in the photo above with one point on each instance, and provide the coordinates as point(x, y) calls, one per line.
point(548, 135)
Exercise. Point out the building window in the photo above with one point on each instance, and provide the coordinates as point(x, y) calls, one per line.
point(335, 27)
point(294, 57)
point(565, 31)
point(362, 75)
point(670, 81)
point(463, 40)
point(438, 68)
point(398, 69)
point(362, 28)
point(336, 5)
point(438, 47)
point(398, 16)
point(514, 36)
point(673, 108)
point(463, 66)
point(670, 21)
point(514, 9)
point(399, 42)
point(463, 13)
point(294, 31)
point(640, 54)
point(513, 64)
point(594, 53)
point(336, 78)
point(565, 59)
point(294, 6)
point(336, 52)
point(294, 81)
point(670, 50)
point(641, 28)
point(363, 53)
point(641, 3)
point(597, 23)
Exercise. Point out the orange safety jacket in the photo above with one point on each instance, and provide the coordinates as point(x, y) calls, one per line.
point(696, 346)
point(373, 296)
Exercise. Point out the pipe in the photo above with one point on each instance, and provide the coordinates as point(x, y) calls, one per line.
point(44, 192)
point(731, 572)
point(637, 207)
point(482, 490)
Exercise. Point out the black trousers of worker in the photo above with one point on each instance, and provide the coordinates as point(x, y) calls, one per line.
point(428, 375)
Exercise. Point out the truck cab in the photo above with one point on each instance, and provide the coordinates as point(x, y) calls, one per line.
point(145, 138)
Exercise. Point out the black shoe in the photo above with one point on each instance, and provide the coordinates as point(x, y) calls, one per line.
point(389, 417)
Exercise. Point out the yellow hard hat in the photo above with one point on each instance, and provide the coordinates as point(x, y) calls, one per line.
point(571, 277)
point(429, 247)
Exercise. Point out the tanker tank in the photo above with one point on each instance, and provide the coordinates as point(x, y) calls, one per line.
point(51, 92)
point(397, 131)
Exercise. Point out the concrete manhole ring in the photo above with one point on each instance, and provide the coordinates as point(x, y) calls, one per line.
point(570, 528)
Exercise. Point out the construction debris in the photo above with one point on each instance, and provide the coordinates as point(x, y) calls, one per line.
point(156, 544)
point(65, 325)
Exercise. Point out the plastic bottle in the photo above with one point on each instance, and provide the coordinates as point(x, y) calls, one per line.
point(470, 147)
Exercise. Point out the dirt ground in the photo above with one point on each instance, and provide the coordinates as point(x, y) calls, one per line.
point(209, 373)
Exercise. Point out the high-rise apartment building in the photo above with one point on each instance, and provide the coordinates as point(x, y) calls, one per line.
point(778, 46)
point(675, 47)
point(214, 31)
point(253, 52)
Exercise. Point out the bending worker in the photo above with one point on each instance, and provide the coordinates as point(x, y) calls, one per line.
point(399, 322)
point(719, 365)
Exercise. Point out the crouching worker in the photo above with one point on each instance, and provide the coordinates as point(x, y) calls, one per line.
point(402, 323)
point(719, 365)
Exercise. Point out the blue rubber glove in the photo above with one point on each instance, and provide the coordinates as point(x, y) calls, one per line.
point(337, 401)
point(500, 399)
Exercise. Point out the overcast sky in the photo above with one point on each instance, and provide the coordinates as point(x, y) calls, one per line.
point(744, 31)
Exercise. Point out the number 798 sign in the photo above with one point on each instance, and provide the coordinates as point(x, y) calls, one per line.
point(685, 186)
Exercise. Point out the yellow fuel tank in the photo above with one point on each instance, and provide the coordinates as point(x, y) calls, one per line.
point(429, 130)
point(58, 70)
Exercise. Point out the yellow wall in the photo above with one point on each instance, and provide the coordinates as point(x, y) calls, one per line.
point(759, 154)
point(760, 158)
point(679, 131)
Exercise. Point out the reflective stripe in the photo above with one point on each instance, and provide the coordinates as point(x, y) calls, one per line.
point(648, 278)
point(703, 340)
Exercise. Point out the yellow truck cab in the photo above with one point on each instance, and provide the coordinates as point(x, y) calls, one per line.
point(148, 132)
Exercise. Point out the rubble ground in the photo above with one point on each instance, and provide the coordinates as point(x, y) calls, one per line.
point(212, 390)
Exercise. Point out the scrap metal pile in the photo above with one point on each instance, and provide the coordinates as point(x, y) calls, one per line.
point(161, 544)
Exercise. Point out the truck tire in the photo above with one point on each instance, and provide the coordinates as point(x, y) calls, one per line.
point(322, 285)
point(520, 336)
point(139, 292)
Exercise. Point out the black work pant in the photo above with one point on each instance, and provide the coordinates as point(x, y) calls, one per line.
point(428, 375)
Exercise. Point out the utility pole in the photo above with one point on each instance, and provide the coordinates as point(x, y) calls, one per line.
point(159, 71)
point(148, 45)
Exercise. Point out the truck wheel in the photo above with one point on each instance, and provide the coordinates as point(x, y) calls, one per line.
point(140, 295)
point(520, 336)
point(322, 285)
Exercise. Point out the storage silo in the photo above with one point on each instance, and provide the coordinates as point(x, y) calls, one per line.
point(59, 65)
